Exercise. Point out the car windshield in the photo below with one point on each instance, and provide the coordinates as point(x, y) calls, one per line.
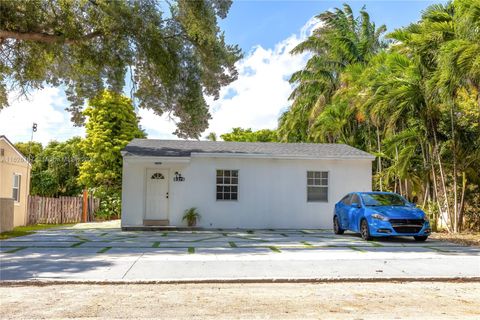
point(382, 199)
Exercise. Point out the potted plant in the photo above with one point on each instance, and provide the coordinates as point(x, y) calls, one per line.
point(191, 215)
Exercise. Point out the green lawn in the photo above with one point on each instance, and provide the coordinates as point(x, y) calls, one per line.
point(26, 230)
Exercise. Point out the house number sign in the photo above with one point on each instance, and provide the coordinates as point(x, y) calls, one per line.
point(178, 177)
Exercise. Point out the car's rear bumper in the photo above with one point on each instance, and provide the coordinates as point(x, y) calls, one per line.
point(379, 228)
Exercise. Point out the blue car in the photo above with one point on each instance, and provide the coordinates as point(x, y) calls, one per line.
point(380, 214)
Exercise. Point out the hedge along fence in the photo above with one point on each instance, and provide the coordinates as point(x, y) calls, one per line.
point(59, 210)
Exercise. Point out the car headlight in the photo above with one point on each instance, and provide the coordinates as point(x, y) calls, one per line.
point(378, 216)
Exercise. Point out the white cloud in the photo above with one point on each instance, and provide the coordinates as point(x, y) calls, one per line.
point(44, 107)
point(256, 99)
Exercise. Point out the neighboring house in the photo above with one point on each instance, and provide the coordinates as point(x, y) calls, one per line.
point(14, 179)
point(239, 184)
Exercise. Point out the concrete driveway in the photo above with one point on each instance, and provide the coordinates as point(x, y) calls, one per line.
point(89, 252)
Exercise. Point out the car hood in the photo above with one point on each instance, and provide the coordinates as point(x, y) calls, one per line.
point(394, 212)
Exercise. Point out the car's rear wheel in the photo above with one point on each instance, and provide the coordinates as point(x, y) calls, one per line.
point(420, 238)
point(365, 230)
point(336, 226)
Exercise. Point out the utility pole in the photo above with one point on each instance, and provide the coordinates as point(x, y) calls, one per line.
point(29, 173)
point(29, 159)
point(34, 129)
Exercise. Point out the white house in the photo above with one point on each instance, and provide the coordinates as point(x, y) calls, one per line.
point(239, 184)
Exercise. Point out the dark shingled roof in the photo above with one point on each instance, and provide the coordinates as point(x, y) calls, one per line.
point(184, 148)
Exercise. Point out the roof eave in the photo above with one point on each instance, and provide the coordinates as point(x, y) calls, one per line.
point(277, 156)
point(130, 157)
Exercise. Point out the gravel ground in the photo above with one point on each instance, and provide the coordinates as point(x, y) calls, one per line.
point(408, 300)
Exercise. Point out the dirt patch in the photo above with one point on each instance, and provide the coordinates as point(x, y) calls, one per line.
point(405, 300)
point(469, 239)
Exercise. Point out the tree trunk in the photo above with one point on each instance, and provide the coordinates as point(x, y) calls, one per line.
point(442, 176)
point(427, 180)
point(462, 203)
point(454, 150)
point(396, 162)
point(406, 190)
point(379, 169)
point(437, 199)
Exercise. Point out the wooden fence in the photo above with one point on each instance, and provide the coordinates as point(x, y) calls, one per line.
point(59, 210)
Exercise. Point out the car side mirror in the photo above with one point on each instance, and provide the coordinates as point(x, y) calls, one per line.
point(356, 205)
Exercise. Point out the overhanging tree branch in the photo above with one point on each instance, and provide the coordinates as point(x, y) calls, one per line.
point(45, 37)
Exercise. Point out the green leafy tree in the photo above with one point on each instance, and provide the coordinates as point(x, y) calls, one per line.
point(29, 149)
point(247, 135)
point(111, 125)
point(55, 168)
point(172, 52)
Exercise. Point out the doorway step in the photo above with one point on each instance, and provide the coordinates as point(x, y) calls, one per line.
point(151, 222)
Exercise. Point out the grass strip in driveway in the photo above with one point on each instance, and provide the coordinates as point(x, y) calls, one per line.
point(376, 244)
point(15, 250)
point(198, 240)
point(232, 244)
point(274, 249)
point(77, 244)
point(248, 238)
point(306, 244)
point(82, 238)
point(104, 250)
point(156, 244)
point(356, 249)
point(191, 250)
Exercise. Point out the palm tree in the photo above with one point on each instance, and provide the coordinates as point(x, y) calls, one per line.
point(446, 43)
point(415, 104)
point(212, 136)
point(342, 39)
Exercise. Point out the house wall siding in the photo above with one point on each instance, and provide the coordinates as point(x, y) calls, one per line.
point(272, 192)
point(12, 163)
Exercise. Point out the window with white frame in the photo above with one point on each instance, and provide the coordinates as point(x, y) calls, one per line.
point(16, 187)
point(317, 186)
point(227, 184)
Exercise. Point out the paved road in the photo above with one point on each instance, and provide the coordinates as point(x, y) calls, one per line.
point(110, 254)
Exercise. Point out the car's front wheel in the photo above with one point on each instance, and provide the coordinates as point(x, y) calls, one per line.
point(365, 230)
point(420, 238)
point(336, 226)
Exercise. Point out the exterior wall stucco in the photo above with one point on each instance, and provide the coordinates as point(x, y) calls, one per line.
point(12, 163)
point(272, 192)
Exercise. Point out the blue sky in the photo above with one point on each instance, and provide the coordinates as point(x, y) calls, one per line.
point(251, 23)
point(265, 30)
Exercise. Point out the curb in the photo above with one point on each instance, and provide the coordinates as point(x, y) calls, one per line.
point(51, 282)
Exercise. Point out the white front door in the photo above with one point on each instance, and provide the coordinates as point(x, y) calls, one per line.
point(156, 198)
